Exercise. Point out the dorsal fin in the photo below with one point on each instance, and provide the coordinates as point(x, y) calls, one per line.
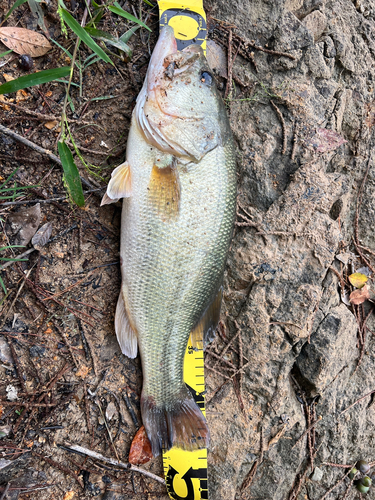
point(164, 192)
point(206, 326)
point(125, 332)
point(119, 186)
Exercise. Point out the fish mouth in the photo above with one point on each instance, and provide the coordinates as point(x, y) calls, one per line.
point(165, 47)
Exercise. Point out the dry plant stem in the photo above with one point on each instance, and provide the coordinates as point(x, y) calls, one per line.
point(61, 467)
point(47, 200)
point(229, 81)
point(18, 366)
point(93, 454)
point(295, 141)
point(108, 430)
point(306, 431)
point(358, 400)
point(342, 283)
point(250, 477)
point(16, 297)
point(283, 127)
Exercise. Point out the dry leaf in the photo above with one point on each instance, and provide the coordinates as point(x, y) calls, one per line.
point(23, 224)
point(359, 296)
point(2, 105)
point(50, 125)
point(140, 449)
point(217, 59)
point(83, 371)
point(69, 495)
point(326, 140)
point(24, 41)
point(8, 78)
point(358, 280)
point(41, 237)
point(110, 411)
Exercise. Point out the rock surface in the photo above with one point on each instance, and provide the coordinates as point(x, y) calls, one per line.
point(280, 289)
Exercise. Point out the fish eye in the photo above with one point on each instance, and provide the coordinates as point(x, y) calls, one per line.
point(207, 78)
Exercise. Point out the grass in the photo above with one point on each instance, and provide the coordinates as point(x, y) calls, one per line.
point(84, 33)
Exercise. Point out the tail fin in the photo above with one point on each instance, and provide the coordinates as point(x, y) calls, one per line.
point(180, 423)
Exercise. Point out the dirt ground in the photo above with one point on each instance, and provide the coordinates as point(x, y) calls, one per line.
point(289, 358)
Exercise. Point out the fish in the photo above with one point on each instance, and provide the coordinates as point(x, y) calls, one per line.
point(178, 185)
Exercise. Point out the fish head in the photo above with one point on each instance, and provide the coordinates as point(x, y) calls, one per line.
point(180, 110)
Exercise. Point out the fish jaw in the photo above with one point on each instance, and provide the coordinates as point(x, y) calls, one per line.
point(165, 46)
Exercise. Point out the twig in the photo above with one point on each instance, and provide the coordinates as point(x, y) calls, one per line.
point(48, 200)
point(5, 491)
point(39, 149)
point(98, 456)
point(342, 283)
point(306, 431)
point(61, 467)
point(16, 297)
point(358, 400)
point(18, 366)
point(295, 141)
point(283, 126)
point(229, 80)
point(128, 405)
point(106, 425)
point(250, 477)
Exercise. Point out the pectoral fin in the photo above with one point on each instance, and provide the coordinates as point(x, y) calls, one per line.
point(119, 186)
point(206, 326)
point(164, 192)
point(125, 332)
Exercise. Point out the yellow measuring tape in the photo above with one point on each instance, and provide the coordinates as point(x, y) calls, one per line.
point(185, 472)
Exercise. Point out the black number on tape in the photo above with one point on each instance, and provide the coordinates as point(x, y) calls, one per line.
point(201, 26)
point(200, 474)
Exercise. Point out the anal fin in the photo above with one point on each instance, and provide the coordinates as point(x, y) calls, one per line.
point(119, 186)
point(125, 333)
point(164, 192)
point(206, 326)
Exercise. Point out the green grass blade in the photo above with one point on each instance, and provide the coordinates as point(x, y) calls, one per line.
point(15, 6)
point(106, 37)
point(71, 174)
point(34, 79)
point(84, 36)
point(121, 12)
point(128, 34)
point(6, 53)
point(148, 3)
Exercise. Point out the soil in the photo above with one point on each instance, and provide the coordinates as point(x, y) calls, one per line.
point(290, 358)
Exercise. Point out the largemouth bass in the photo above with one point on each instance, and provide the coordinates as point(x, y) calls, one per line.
point(179, 185)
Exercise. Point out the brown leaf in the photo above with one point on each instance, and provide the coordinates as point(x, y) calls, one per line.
point(140, 449)
point(359, 296)
point(24, 223)
point(50, 125)
point(24, 41)
point(217, 59)
point(41, 237)
point(326, 140)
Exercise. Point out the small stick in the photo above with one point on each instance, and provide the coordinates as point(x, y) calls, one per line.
point(342, 284)
point(216, 371)
point(18, 366)
point(283, 126)
point(230, 365)
point(342, 466)
point(39, 149)
point(61, 467)
point(306, 431)
point(47, 200)
point(98, 456)
point(106, 425)
point(229, 81)
point(128, 405)
point(358, 400)
point(295, 141)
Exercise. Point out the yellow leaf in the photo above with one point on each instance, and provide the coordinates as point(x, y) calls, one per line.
point(358, 280)
point(22, 95)
point(69, 495)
